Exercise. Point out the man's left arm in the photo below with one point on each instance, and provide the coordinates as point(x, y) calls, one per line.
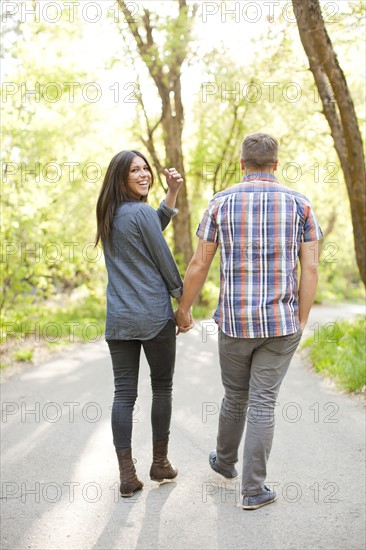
point(309, 259)
point(194, 279)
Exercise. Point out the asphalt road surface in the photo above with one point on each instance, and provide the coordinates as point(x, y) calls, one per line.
point(60, 474)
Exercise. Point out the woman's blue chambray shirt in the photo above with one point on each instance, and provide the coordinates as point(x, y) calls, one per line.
point(142, 273)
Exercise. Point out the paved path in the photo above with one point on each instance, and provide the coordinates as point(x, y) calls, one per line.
point(59, 473)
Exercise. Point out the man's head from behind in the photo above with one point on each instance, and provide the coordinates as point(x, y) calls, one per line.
point(259, 153)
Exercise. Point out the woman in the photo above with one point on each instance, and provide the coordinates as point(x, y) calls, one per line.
point(142, 275)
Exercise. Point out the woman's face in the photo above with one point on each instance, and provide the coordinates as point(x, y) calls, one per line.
point(139, 178)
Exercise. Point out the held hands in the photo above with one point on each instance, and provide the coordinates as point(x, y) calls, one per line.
point(173, 178)
point(184, 321)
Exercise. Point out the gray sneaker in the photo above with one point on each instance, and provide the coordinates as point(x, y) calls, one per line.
point(265, 497)
point(226, 473)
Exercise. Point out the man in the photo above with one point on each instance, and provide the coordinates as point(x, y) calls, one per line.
point(262, 229)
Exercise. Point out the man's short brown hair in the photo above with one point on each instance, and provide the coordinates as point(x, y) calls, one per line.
point(259, 150)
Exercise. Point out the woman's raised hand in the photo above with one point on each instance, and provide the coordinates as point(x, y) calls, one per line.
point(173, 178)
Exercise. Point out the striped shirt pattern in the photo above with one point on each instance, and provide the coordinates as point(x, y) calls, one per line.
point(259, 225)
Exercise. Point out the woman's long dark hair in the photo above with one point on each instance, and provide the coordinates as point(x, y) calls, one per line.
point(115, 191)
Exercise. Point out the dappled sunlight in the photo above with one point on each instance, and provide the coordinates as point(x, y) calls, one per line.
point(66, 368)
point(26, 445)
point(78, 498)
point(84, 505)
point(184, 82)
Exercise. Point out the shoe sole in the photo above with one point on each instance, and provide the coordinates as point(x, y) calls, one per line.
point(220, 472)
point(256, 506)
point(223, 475)
point(164, 480)
point(127, 495)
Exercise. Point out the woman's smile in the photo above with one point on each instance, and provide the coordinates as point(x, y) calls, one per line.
point(139, 178)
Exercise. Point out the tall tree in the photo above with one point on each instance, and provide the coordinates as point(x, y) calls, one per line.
point(47, 193)
point(164, 60)
point(339, 111)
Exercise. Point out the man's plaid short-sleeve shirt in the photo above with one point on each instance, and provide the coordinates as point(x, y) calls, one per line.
point(259, 225)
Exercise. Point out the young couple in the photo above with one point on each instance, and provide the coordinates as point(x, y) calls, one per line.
point(261, 312)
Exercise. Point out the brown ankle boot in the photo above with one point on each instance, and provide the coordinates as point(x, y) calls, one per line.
point(129, 481)
point(161, 469)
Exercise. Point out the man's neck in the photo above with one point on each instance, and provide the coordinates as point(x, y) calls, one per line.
point(264, 171)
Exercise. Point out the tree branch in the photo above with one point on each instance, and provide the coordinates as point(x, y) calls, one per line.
point(226, 146)
point(131, 23)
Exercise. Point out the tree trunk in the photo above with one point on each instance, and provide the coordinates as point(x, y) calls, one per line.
point(339, 111)
point(168, 85)
point(172, 123)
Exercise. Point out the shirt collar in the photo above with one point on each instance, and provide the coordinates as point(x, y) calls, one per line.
point(260, 176)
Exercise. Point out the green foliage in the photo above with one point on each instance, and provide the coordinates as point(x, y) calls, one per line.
point(23, 355)
point(47, 227)
point(339, 281)
point(341, 353)
point(308, 161)
point(63, 279)
point(53, 324)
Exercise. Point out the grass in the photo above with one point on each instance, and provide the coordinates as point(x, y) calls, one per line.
point(23, 355)
point(32, 332)
point(340, 353)
point(51, 327)
point(337, 350)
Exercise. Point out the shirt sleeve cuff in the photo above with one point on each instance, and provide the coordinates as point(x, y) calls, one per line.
point(171, 212)
point(177, 292)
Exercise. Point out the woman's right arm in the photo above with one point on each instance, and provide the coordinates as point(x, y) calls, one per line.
point(165, 214)
point(167, 208)
point(150, 231)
